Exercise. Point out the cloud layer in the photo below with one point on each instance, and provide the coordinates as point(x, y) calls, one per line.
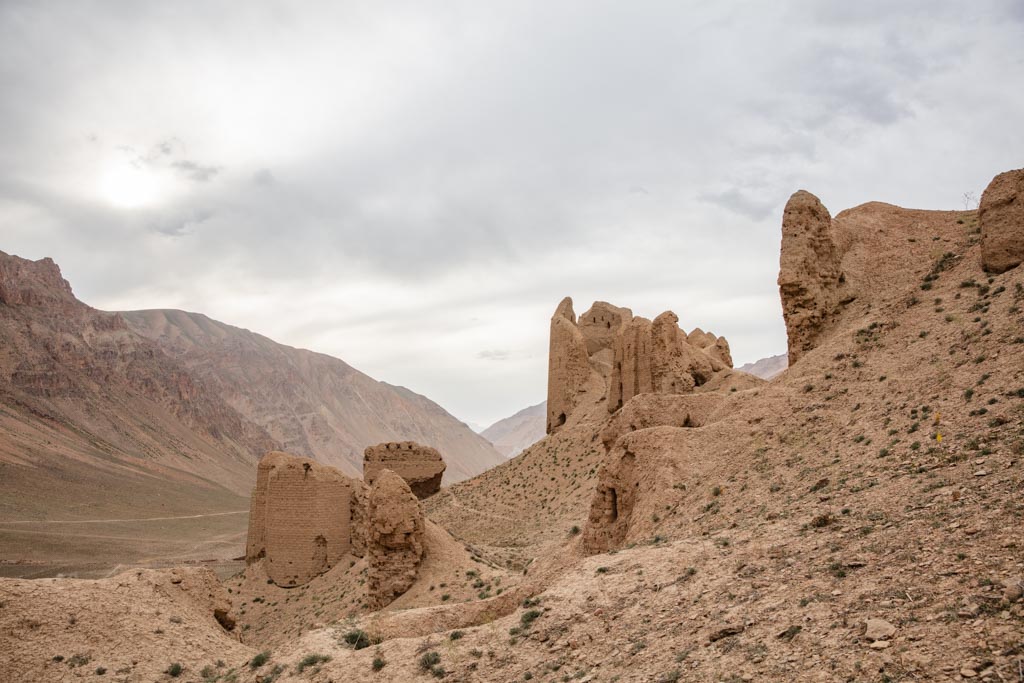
point(413, 188)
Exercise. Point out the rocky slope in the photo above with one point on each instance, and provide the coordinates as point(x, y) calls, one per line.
point(310, 403)
point(513, 434)
point(95, 417)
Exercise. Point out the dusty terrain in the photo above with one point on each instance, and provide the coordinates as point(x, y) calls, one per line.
point(857, 518)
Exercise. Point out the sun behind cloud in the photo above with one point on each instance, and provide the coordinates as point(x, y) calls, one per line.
point(128, 185)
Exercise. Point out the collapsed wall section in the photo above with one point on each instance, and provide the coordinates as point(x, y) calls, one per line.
point(659, 357)
point(394, 538)
point(420, 466)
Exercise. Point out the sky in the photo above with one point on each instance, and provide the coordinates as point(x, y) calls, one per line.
point(413, 187)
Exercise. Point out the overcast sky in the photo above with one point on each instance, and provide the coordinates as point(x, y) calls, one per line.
point(413, 187)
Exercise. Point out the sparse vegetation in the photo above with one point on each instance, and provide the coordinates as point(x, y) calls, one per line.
point(311, 660)
point(259, 660)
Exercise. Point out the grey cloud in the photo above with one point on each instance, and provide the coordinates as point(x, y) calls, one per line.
point(195, 171)
point(494, 354)
point(264, 177)
point(741, 202)
point(487, 154)
point(179, 223)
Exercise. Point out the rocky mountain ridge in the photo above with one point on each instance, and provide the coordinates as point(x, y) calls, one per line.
point(168, 411)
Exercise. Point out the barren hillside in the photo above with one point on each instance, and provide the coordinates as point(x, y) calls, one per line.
point(857, 518)
point(310, 403)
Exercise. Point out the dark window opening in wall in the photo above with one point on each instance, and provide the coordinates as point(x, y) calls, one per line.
point(561, 420)
point(320, 554)
point(613, 503)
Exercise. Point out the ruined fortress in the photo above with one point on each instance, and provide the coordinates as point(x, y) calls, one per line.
point(648, 373)
point(305, 517)
point(420, 466)
point(635, 356)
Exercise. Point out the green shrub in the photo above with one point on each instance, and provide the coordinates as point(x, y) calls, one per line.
point(174, 670)
point(527, 618)
point(379, 663)
point(259, 660)
point(429, 660)
point(357, 639)
point(311, 660)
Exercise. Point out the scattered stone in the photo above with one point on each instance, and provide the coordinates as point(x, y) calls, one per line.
point(725, 632)
point(790, 632)
point(1014, 589)
point(969, 611)
point(878, 629)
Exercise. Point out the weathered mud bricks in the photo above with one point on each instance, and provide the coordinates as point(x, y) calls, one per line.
point(420, 466)
point(300, 518)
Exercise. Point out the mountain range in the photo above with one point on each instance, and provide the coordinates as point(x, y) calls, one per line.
point(124, 414)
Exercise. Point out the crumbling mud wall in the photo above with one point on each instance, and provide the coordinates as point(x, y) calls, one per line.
point(632, 355)
point(656, 410)
point(1001, 219)
point(568, 365)
point(611, 507)
point(658, 357)
point(420, 466)
point(600, 324)
point(811, 281)
point(394, 538)
point(300, 518)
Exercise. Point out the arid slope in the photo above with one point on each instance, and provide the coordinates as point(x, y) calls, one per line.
point(311, 403)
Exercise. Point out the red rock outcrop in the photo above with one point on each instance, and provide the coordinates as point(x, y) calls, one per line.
point(36, 283)
point(1001, 219)
point(810, 276)
point(395, 529)
point(568, 365)
point(420, 466)
point(300, 518)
